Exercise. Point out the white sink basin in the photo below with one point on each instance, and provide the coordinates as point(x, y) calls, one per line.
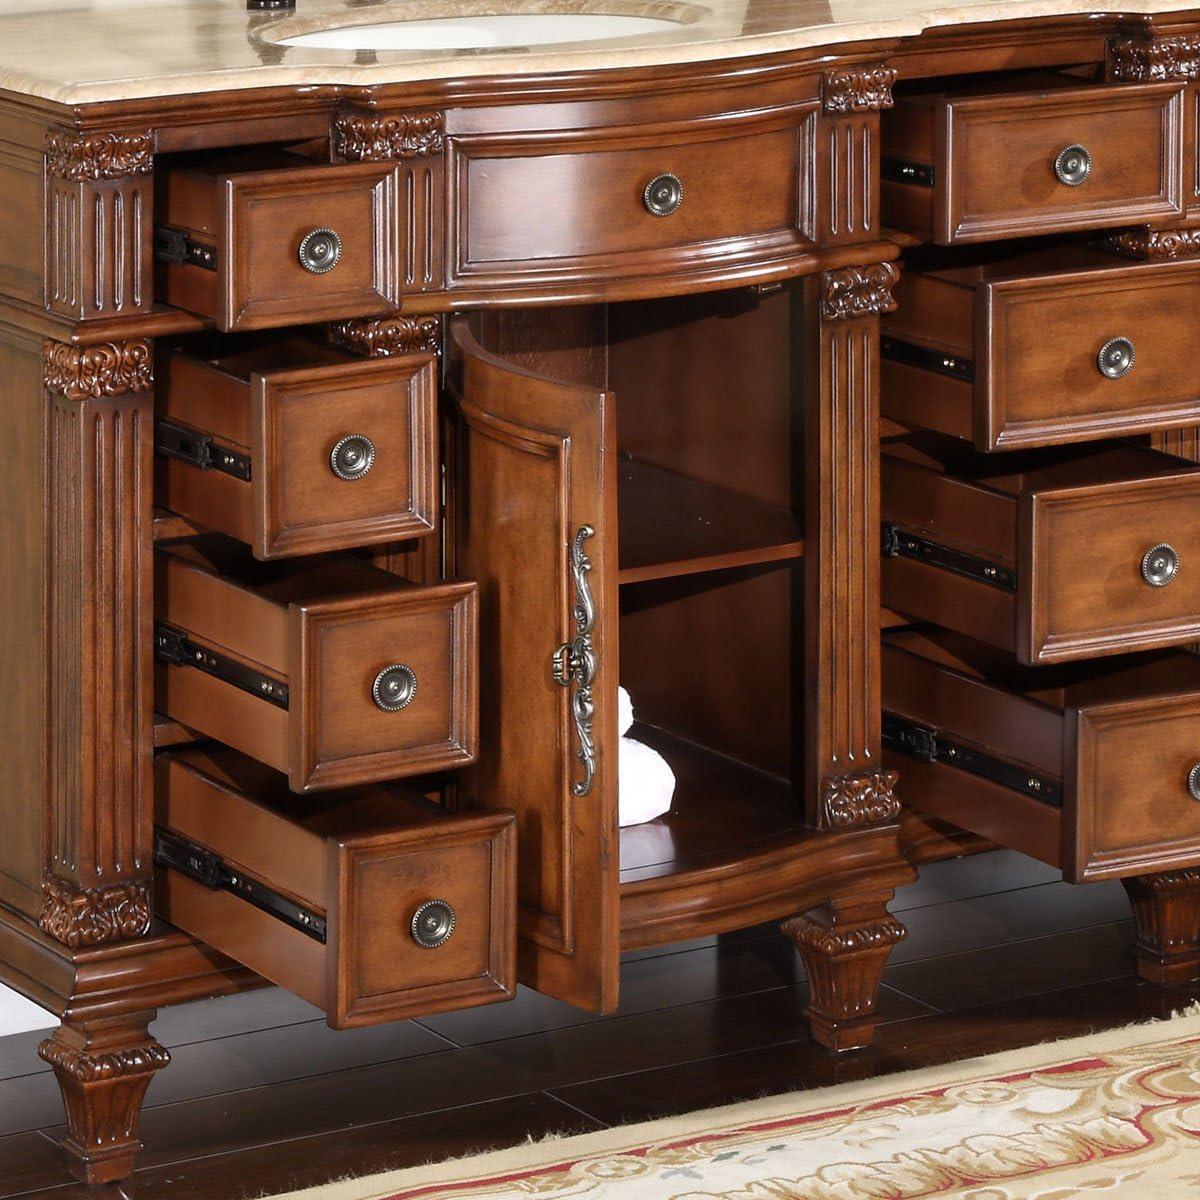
point(481, 32)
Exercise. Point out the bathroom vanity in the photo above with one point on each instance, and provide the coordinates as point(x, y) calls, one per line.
point(381, 392)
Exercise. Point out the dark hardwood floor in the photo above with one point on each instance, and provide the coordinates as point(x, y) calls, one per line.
point(262, 1097)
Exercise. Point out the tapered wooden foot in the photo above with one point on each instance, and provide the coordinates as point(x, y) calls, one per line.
point(844, 945)
point(103, 1069)
point(1166, 910)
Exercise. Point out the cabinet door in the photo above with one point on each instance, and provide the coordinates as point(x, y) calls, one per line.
point(535, 526)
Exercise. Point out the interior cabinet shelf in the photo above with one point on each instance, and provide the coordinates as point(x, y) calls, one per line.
point(671, 525)
point(722, 810)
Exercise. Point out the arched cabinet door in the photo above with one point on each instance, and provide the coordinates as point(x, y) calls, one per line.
point(534, 524)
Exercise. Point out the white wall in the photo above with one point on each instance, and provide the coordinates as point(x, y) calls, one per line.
point(18, 1015)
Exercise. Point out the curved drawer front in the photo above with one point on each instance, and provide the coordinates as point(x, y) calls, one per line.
point(330, 670)
point(329, 452)
point(590, 206)
point(372, 904)
point(974, 167)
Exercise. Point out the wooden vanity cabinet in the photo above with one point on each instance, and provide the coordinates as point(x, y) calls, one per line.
point(617, 348)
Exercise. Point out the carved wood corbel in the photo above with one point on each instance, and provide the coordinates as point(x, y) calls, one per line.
point(359, 136)
point(1147, 57)
point(857, 89)
point(386, 337)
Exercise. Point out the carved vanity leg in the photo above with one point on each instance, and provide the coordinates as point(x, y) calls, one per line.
point(1166, 910)
point(103, 1068)
point(844, 945)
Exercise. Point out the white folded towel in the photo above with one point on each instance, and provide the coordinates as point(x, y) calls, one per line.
point(645, 783)
point(624, 712)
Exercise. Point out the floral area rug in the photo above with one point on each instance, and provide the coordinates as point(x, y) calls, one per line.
point(1115, 1115)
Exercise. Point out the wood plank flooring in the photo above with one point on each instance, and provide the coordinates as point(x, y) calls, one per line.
point(262, 1096)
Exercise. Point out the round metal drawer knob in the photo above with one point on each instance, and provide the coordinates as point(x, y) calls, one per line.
point(320, 251)
point(394, 687)
point(1160, 565)
point(1194, 782)
point(1116, 357)
point(663, 195)
point(352, 456)
point(1072, 165)
point(432, 924)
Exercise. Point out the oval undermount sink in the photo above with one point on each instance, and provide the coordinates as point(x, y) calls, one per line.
point(481, 32)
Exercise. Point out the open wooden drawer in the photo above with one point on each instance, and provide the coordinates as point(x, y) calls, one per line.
point(1061, 345)
point(1031, 152)
point(1057, 555)
point(254, 240)
point(327, 668)
point(373, 903)
point(298, 448)
point(1093, 768)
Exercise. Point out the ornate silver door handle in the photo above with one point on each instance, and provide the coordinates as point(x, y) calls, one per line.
point(574, 662)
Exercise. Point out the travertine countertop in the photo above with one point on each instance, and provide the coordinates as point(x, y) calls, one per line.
point(80, 51)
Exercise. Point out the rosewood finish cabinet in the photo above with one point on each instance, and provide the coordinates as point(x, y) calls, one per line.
point(370, 415)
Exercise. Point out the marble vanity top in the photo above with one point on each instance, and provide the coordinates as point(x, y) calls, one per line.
point(83, 51)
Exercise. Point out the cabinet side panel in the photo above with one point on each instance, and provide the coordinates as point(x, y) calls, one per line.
point(22, 185)
point(22, 623)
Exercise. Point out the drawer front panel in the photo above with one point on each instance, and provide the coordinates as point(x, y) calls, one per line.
point(305, 506)
point(358, 676)
point(1084, 587)
point(295, 425)
point(270, 215)
point(343, 647)
point(1034, 390)
point(1000, 155)
point(1133, 810)
point(358, 869)
point(380, 970)
point(254, 224)
point(574, 207)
